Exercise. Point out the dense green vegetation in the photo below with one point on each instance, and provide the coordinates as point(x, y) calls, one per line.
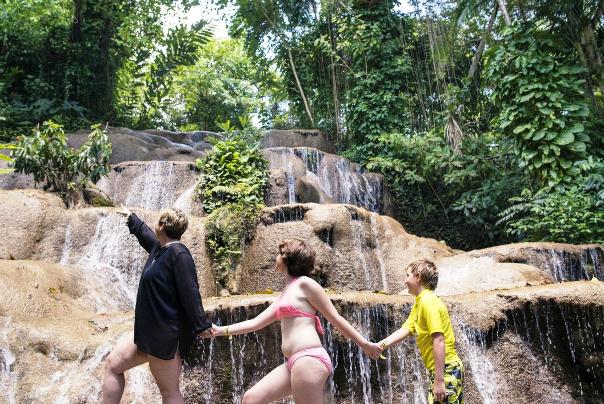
point(486, 118)
point(232, 186)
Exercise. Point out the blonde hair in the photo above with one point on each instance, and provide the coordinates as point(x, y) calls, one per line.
point(426, 271)
point(299, 256)
point(175, 222)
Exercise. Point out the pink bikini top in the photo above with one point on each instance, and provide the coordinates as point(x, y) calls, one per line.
point(283, 309)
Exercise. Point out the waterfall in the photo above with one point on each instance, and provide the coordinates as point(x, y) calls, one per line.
point(336, 177)
point(114, 259)
point(154, 187)
point(568, 336)
point(569, 266)
point(483, 371)
point(8, 378)
point(185, 200)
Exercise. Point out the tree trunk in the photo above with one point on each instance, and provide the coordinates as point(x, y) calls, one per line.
point(483, 42)
point(504, 11)
point(334, 84)
point(306, 107)
point(593, 54)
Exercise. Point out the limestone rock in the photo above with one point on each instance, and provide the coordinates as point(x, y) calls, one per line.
point(327, 178)
point(561, 261)
point(133, 145)
point(153, 185)
point(298, 138)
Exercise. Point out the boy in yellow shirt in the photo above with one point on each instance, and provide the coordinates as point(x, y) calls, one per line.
point(429, 321)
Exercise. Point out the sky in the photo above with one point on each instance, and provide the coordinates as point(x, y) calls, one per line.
point(219, 18)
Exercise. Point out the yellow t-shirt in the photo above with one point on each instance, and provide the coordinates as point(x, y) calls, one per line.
point(430, 315)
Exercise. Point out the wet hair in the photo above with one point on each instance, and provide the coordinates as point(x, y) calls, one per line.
point(175, 222)
point(299, 257)
point(426, 271)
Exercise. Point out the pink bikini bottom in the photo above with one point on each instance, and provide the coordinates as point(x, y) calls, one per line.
point(319, 353)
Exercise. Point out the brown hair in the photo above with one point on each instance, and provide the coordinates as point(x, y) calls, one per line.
point(175, 222)
point(299, 256)
point(427, 272)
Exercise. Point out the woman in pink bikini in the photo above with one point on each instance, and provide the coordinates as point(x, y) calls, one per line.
point(308, 365)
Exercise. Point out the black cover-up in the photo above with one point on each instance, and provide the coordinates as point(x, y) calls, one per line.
point(168, 310)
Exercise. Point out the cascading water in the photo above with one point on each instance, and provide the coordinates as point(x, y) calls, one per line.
point(476, 361)
point(8, 378)
point(571, 340)
point(114, 259)
point(336, 177)
point(154, 185)
point(566, 266)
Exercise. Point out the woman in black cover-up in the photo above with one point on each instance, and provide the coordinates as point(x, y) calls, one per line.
point(168, 312)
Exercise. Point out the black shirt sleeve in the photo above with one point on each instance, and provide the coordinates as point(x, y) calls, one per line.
point(187, 285)
point(146, 236)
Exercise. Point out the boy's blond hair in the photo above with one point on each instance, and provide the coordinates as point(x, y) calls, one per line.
point(426, 271)
point(175, 222)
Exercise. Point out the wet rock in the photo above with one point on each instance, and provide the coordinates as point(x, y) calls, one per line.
point(278, 192)
point(298, 138)
point(153, 185)
point(563, 262)
point(327, 178)
point(133, 145)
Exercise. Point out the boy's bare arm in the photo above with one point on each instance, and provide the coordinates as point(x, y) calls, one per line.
point(438, 348)
point(395, 338)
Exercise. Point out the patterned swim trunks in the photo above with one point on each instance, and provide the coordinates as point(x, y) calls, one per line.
point(453, 384)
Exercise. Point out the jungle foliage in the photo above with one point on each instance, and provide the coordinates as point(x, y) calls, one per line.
point(232, 186)
point(50, 160)
point(484, 117)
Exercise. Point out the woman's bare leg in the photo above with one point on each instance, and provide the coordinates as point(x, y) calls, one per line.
point(308, 379)
point(273, 386)
point(123, 357)
point(167, 375)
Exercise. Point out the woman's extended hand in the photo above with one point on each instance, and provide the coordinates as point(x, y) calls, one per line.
point(372, 349)
point(124, 212)
point(217, 331)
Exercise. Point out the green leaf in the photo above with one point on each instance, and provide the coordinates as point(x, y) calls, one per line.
point(564, 138)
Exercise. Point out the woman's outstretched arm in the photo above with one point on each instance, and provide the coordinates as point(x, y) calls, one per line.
point(318, 298)
point(257, 323)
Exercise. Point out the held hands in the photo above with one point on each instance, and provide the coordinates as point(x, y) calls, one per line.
point(372, 349)
point(214, 331)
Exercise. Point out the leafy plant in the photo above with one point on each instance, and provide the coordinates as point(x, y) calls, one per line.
point(6, 158)
point(49, 159)
point(441, 194)
point(542, 106)
point(232, 187)
point(233, 171)
point(573, 216)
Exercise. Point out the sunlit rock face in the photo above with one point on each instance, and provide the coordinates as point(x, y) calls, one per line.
point(134, 145)
point(153, 185)
point(528, 318)
point(298, 138)
point(312, 175)
point(517, 346)
point(563, 262)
